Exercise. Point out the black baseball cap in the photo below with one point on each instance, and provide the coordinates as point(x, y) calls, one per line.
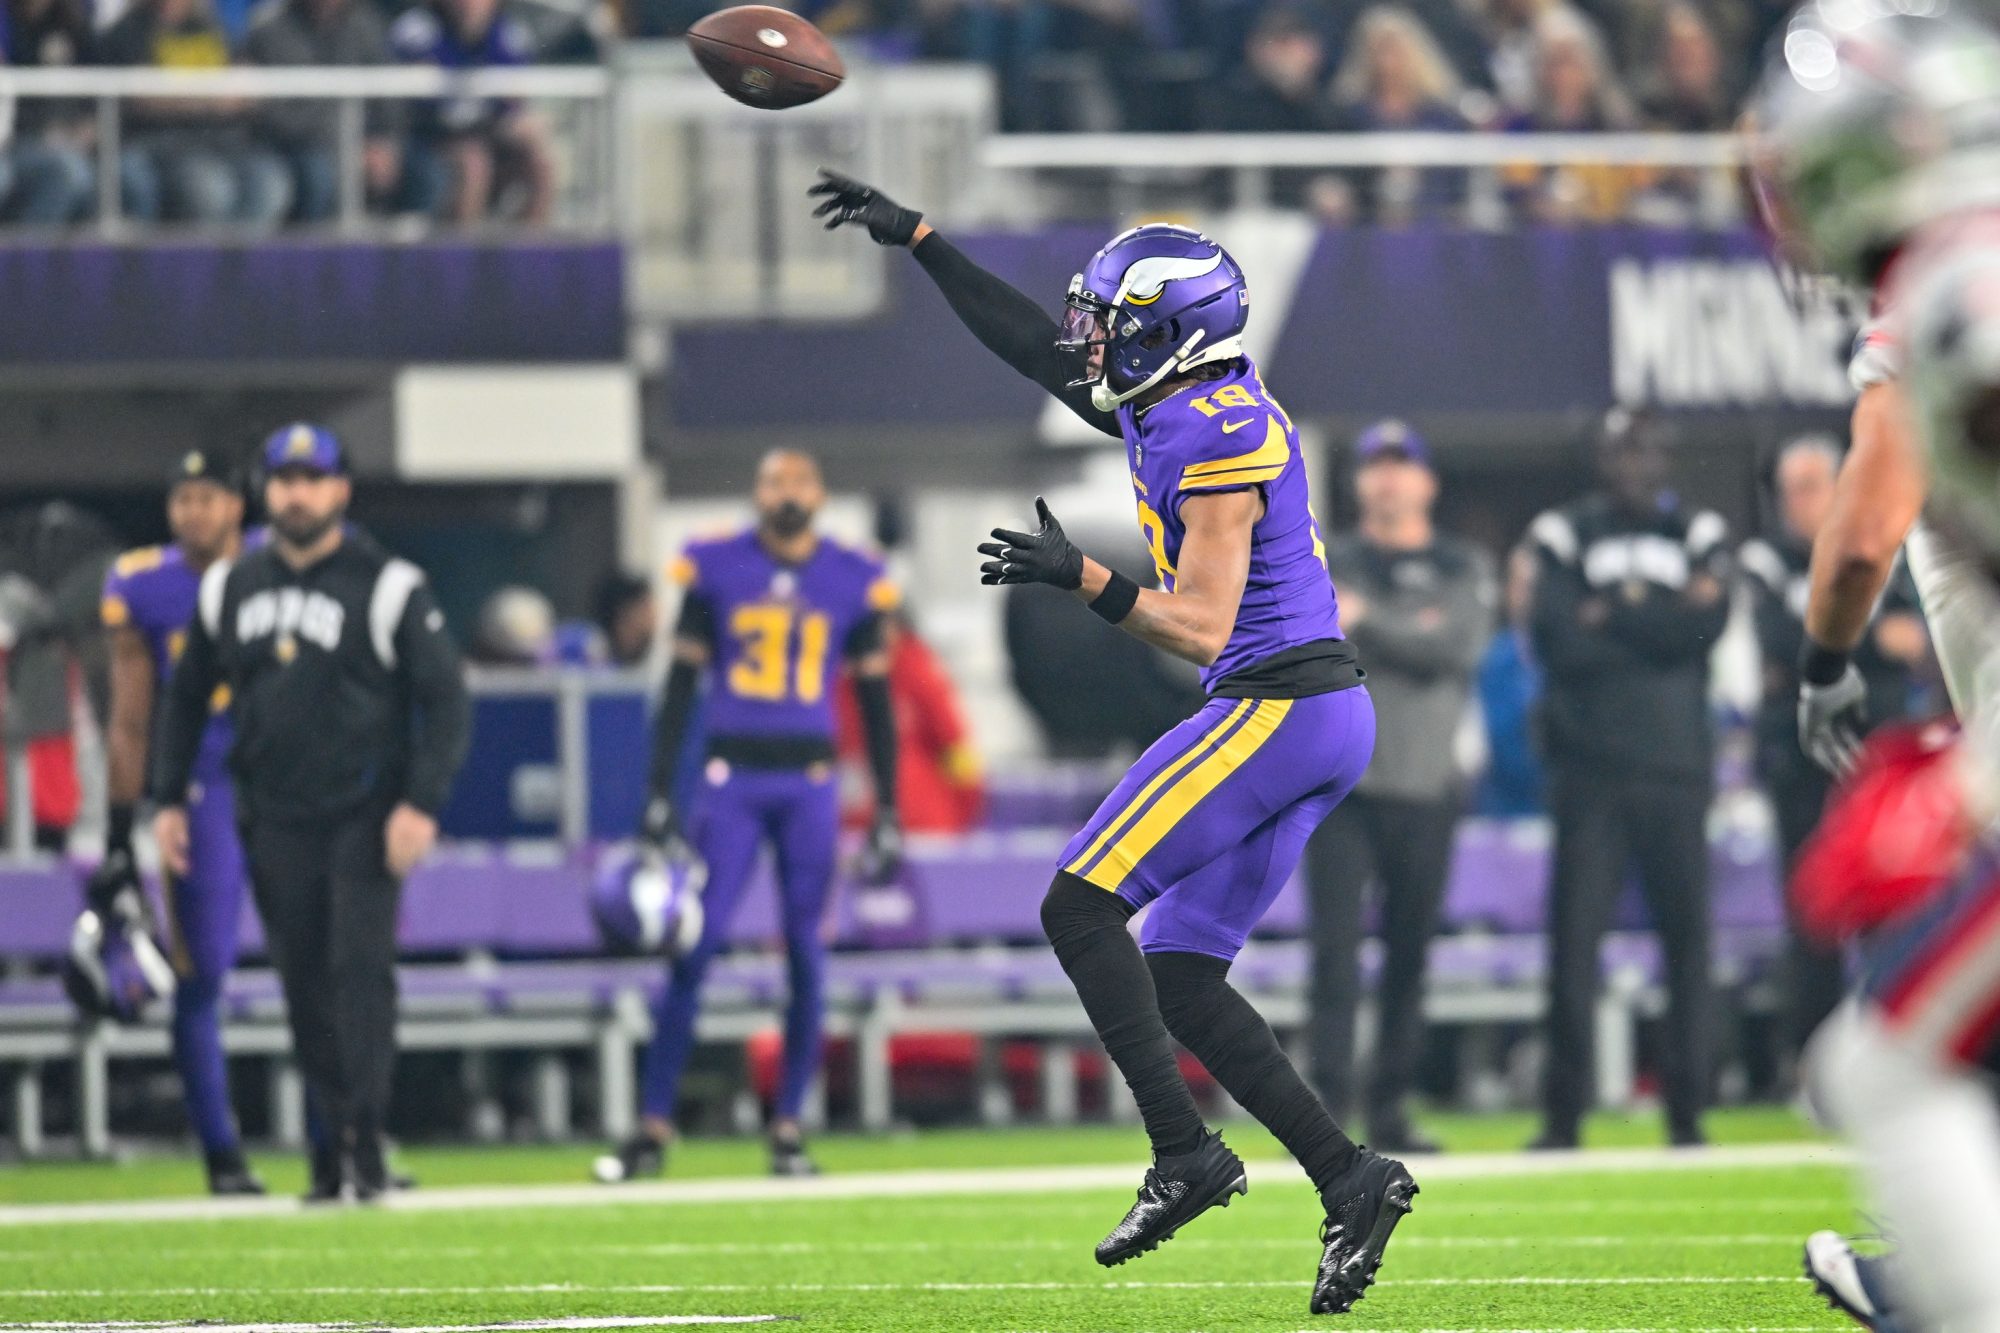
point(206, 465)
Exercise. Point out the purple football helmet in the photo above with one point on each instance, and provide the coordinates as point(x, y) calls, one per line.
point(114, 969)
point(647, 900)
point(1158, 300)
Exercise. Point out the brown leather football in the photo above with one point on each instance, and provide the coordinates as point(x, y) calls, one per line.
point(766, 57)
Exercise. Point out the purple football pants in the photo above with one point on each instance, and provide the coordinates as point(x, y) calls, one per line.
point(206, 909)
point(1213, 819)
point(798, 813)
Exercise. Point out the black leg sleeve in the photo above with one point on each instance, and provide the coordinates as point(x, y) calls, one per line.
point(1086, 925)
point(1211, 1018)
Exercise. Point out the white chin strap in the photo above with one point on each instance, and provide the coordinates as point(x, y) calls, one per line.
point(1104, 398)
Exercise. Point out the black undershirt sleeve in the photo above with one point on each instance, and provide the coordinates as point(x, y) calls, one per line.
point(878, 725)
point(670, 728)
point(697, 622)
point(1009, 325)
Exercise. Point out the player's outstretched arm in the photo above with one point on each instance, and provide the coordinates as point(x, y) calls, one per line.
point(1004, 319)
point(1876, 499)
point(1194, 621)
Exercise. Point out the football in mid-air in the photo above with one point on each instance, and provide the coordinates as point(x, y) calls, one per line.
point(766, 57)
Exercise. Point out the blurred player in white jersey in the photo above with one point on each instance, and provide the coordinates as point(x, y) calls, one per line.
point(1877, 146)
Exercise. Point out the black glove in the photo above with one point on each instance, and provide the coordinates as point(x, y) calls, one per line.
point(848, 200)
point(116, 874)
point(1044, 556)
point(882, 857)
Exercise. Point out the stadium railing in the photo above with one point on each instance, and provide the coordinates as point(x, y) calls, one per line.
point(580, 100)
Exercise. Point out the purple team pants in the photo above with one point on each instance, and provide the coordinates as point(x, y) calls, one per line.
point(206, 909)
point(1212, 820)
point(797, 812)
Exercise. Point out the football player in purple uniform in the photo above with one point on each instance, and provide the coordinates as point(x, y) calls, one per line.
point(1210, 823)
point(149, 599)
point(770, 614)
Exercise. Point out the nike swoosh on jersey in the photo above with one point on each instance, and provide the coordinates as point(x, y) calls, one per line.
point(1231, 427)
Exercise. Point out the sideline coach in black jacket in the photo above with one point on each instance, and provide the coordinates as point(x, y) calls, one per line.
point(1630, 596)
point(351, 718)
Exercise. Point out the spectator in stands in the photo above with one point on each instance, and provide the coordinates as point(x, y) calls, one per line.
point(627, 613)
point(1003, 35)
point(46, 178)
point(1123, 40)
point(1776, 572)
point(474, 156)
point(190, 159)
point(1282, 89)
point(1630, 596)
point(1282, 86)
point(1685, 90)
point(1418, 607)
point(1510, 691)
point(1575, 92)
point(1395, 78)
point(939, 786)
point(1510, 28)
point(326, 32)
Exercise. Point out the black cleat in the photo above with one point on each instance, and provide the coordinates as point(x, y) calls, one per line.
point(370, 1167)
point(1554, 1140)
point(328, 1179)
point(1176, 1191)
point(229, 1175)
point(788, 1158)
point(639, 1157)
point(1375, 1195)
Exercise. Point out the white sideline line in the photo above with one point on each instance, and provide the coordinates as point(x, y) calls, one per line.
point(769, 1288)
point(690, 1249)
point(512, 1326)
point(908, 1184)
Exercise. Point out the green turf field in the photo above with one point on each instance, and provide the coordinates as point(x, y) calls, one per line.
point(1698, 1247)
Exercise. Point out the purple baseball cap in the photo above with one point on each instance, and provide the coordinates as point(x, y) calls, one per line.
point(1391, 438)
point(306, 447)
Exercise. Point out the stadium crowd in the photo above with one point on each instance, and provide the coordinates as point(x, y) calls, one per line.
point(259, 164)
point(1507, 66)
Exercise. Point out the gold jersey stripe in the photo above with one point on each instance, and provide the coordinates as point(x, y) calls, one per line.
point(1245, 477)
point(1203, 778)
point(1160, 779)
point(1274, 451)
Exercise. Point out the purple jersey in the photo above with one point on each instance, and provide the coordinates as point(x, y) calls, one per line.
point(1224, 435)
point(779, 630)
point(153, 590)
